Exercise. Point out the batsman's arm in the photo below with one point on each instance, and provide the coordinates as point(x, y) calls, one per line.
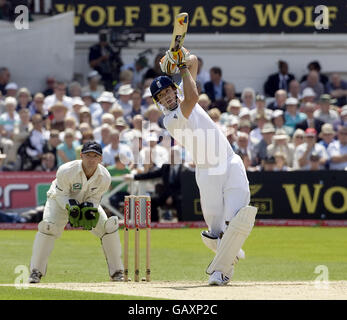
point(188, 73)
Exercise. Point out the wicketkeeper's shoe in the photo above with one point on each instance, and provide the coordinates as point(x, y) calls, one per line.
point(218, 279)
point(118, 276)
point(35, 276)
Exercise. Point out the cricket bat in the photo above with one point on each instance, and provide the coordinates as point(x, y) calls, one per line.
point(179, 31)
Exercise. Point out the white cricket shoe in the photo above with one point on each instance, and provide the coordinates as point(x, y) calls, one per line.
point(218, 279)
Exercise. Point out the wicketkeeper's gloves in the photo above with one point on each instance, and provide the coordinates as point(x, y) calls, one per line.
point(89, 216)
point(74, 212)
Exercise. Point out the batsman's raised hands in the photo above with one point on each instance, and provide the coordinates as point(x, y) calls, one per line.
point(172, 60)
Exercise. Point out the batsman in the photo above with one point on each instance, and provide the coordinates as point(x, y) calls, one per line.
point(74, 196)
point(220, 173)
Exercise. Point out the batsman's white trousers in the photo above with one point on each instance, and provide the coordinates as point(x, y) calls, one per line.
point(223, 195)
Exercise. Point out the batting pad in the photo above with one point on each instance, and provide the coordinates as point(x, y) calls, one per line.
point(234, 236)
point(113, 252)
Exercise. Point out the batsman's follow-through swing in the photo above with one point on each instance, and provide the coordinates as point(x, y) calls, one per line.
point(223, 184)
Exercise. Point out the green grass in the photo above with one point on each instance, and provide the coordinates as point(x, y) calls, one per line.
point(11, 293)
point(272, 254)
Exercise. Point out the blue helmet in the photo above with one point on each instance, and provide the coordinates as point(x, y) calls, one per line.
point(159, 84)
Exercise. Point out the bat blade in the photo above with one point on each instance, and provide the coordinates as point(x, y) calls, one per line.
point(179, 31)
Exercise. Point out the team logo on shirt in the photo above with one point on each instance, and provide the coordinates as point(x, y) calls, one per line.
point(77, 186)
point(175, 116)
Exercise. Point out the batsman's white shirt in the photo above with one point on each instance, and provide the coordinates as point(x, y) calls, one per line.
point(71, 183)
point(220, 173)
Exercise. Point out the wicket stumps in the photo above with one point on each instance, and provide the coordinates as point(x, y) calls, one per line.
point(132, 204)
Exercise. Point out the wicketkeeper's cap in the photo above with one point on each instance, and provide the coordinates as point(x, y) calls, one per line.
point(92, 146)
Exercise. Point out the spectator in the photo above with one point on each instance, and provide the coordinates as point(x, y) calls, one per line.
point(215, 87)
point(47, 163)
point(85, 116)
point(147, 98)
point(343, 120)
point(279, 80)
point(277, 119)
point(280, 101)
point(313, 82)
point(327, 135)
point(314, 162)
point(94, 86)
point(91, 103)
point(303, 152)
point(338, 89)
point(325, 112)
point(215, 115)
point(117, 111)
point(32, 148)
point(298, 137)
point(50, 146)
point(36, 106)
point(58, 112)
point(280, 143)
point(70, 122)
point(260, 105)
point(315, 66)
point(245, 126)
point(138, 69)
point(106, 101)
point(11, 89)
point(260, 148)
point(86, 137)
point(77, 103)
point(202, 76)
point(292, 116)
point(153, 152)
point(204, 101)
point(243, 144)
point(233, 109)
point(74, 90)
point(104, 60)
point(116, 170)
point(4, 79)
point(268, 164)
point(2, 160)
point(308, 95)
point(155, 70)
point(50, 86)
point(310, 121)
point(280, 162)
point(256, 134)
point(121, 126)
point(21, 130)
point(10, 118)
point(116, 148)
point(124, 97)
point(6, 145)
point(66, 151)
point(153, 114)
point(137, 107)
point(337, 150)
point(24, 99)
point(294, 89)
point(59, 95)
point(6, 10)
point(169, 192)
point(231, 135)
point(107, 118)
point(248, 98)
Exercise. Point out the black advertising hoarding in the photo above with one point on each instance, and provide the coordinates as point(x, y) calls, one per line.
point(222, 16)
point(283, 195)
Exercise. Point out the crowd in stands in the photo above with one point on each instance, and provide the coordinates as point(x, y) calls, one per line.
point(294, 124)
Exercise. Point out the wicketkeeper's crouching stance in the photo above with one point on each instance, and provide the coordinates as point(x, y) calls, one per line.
point(75, 196)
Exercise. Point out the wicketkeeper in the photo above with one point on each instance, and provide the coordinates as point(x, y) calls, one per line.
point(74, 196)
